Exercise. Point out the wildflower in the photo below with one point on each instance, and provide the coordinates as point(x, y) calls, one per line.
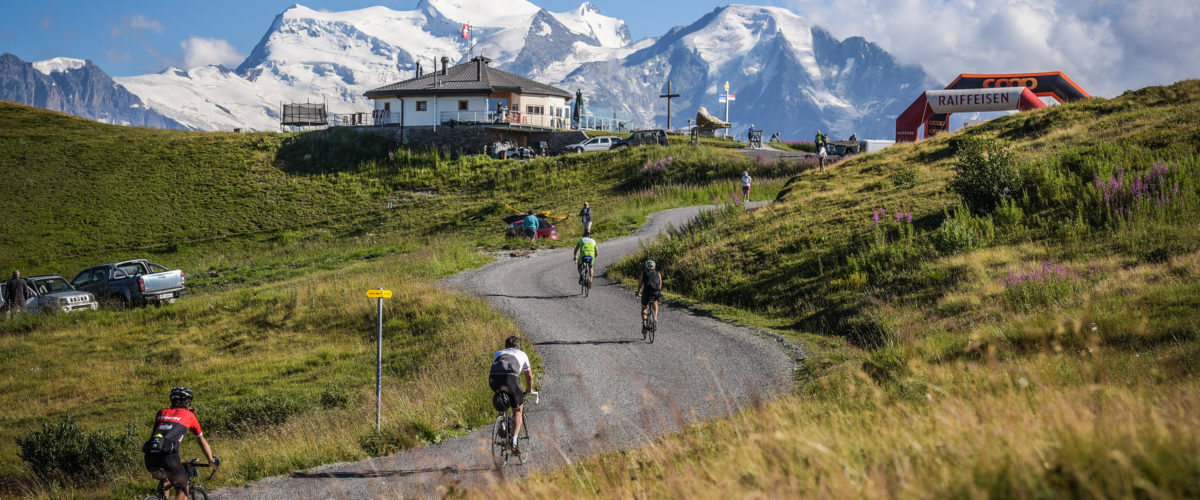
point(909, 216)
point(875, 217)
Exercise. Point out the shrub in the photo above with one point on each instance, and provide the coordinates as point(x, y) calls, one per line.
point(985, 175)
point(254, 412)
point(962, 232)
point(63, 451)
point(904, 177)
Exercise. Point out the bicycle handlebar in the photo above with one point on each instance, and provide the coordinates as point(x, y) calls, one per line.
point(535, 396)
point(195, 462)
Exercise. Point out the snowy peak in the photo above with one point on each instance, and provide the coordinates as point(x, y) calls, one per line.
point(588, 21)
point(483, 13)
point(58, 65)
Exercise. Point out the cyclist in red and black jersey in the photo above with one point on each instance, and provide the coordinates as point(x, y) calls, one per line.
point(162, 450)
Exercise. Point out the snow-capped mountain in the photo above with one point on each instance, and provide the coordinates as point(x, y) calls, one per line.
point(788, 76)
point(309, 55)
point(77, 87)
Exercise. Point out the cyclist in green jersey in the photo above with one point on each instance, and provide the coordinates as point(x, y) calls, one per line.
point(586, 251)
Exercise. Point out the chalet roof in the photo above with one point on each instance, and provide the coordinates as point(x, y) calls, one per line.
point(472, 77)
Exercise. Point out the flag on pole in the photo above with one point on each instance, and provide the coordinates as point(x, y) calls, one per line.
point(466, 31)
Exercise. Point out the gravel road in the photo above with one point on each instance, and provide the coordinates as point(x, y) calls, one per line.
point(602, 387)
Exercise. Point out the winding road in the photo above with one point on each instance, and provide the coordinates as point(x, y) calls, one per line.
point(602, 387)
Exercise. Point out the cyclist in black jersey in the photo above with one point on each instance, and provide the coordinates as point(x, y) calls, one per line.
point(650, 290)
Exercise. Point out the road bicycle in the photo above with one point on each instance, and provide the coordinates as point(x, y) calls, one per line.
point(585, 278)
point(502, 446)
point(198, 492)
point(649, 323)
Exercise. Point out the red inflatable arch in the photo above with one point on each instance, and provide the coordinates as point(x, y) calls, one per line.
point(1052, 84)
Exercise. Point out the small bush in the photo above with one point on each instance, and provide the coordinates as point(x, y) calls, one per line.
point(253, 412)
point(904, 177)
point(985, 175)
point(63, 451)
point(962, 232)
point(1008, 214)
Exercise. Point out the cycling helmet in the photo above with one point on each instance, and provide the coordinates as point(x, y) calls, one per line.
point(587, 234)
point(181, 396)
point(649, 264)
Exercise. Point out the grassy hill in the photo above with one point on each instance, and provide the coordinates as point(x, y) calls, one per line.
point(1007, 311)
point(280, 235)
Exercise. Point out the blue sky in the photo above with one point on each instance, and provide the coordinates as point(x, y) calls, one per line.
point(1107, 46)
point(137, 37)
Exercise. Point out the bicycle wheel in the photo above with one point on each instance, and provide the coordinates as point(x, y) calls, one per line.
point(499, 444)
point(523, 440)
point(650, 328)
point(198, 493)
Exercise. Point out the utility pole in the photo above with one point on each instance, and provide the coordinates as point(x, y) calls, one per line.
point(668, 96)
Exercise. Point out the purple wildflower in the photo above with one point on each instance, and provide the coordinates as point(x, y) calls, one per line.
point(875, 217)
point(909, 216)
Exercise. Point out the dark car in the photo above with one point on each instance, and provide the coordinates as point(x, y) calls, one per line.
point(516, 228)
point(640, 137)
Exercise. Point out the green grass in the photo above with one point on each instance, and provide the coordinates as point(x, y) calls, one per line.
point(970, 377)
point(280, 235)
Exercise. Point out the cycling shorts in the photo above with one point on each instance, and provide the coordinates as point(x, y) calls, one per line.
point(510, 384)
point(649, 296)
point(167, 467)
point(586, 259)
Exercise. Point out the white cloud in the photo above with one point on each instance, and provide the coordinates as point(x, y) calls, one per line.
point(140, 22)
point(198, 51)
point(1106, 46)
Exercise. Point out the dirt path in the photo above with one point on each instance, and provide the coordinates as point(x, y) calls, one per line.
point(602, 387)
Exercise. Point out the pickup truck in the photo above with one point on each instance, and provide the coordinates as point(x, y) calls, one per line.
point(131, 283)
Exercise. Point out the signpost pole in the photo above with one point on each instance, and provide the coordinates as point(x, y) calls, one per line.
point(726, 107)
point(379, 364)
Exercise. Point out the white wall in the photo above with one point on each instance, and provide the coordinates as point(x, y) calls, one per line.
point(445, 107)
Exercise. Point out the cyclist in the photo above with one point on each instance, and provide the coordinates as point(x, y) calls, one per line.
point(507, 365)
point(585, 252)
point(162, 450)
point(651, 283)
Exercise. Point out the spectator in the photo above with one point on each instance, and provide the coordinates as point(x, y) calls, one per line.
point(585, 217)
point(531, 226)
point(16, 295)
point(821, 154)
point(819, 140)
point(746, 186)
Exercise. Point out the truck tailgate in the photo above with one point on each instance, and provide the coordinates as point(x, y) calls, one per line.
point(167, 281)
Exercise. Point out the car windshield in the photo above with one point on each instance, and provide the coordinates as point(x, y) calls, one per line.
point(51, 285)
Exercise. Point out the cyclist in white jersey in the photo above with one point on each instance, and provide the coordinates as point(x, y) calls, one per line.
point(507, 365)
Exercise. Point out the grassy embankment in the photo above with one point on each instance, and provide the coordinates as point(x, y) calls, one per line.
point(280, 235)
point(1044, 347)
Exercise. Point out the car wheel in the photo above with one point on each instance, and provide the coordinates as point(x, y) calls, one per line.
point(116, 303)
point(578, 150)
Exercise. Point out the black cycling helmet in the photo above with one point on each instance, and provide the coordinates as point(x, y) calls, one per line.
point(181, 397)
point(587, 234)
point(649, 264)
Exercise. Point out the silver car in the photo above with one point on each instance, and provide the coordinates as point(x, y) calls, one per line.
point(601, 143)
point(54, 294)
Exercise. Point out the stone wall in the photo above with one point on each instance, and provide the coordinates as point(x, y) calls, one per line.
point(473, 139)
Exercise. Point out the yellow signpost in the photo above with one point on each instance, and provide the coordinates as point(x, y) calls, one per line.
point(379, 294)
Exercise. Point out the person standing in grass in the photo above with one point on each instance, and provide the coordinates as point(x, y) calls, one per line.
point(17, 293)
point(531, 225)
point(821, 157)
point(585, 217)
point(746, 186)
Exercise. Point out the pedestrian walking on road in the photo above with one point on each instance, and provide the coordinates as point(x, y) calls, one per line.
point(16, 294)
point(585, 217)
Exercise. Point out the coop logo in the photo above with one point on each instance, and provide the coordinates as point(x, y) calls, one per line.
point(991, 83)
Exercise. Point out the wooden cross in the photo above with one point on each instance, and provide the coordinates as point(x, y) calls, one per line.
point(668, 96)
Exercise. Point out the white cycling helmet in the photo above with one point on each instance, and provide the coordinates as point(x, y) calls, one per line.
point(649, 264)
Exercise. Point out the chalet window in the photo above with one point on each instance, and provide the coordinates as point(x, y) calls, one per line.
point(422, 105)
point(535, 110)
point(387, 106)
point(462, 105)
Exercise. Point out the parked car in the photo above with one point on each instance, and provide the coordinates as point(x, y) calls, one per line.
point(132, 283)
point(640, 137)
point(516, 222)
point(601, 143)
point(54, 294)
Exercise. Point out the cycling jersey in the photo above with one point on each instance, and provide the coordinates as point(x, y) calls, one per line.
point(510, 361)
point(587, 247)
point(651, 281)
point(173, 424)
